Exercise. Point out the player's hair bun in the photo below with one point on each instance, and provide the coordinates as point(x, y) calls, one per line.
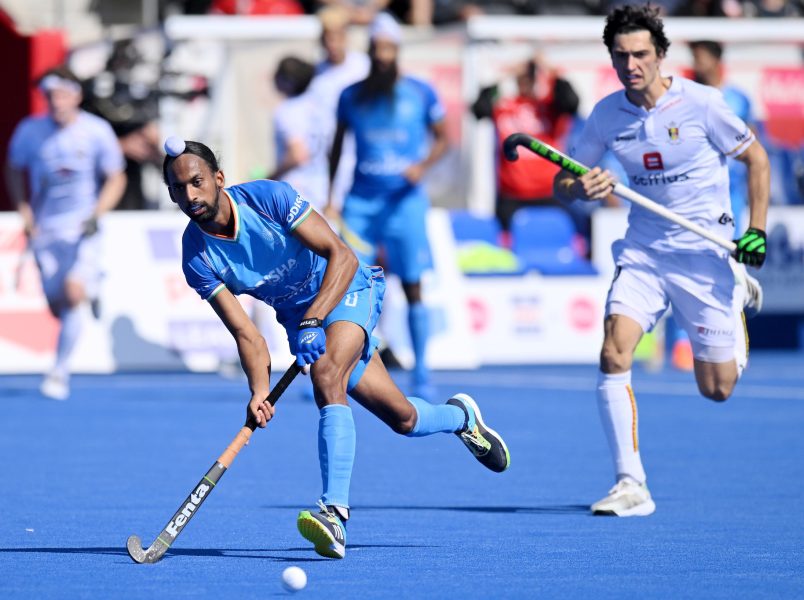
point(174, 145)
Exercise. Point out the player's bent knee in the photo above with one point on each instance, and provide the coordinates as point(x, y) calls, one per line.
point(613, 360)
point(718, 392)
point(328, 381)
point(74, 293)
point(404, 424)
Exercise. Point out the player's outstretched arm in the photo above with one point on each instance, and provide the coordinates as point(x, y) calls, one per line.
point(342, 264)
point(438, 148)
point(17, 191)
point(253, 352)
point(751, 246)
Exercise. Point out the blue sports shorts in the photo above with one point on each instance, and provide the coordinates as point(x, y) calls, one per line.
point(395, 223)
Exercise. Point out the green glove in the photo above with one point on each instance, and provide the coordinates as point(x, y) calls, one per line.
point(751, 247)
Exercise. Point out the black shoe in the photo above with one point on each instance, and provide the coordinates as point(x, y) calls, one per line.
point(486, 444)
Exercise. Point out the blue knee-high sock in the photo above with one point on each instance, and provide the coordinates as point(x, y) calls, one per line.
point(419, 323)
point(435, 418)
point(336, 453)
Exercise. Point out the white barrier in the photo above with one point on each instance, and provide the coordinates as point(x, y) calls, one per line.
point(151, 319)
point(533, 319)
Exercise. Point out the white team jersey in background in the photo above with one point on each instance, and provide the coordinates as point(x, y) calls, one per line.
point(66, 167)
point(675, 154)
point(330, 80)
point(302, 117)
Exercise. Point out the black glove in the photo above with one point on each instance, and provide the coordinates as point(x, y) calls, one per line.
point(751, 248)
point(90, 226)
point(483, 107)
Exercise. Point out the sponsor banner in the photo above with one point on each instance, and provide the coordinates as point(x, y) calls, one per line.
point(149, 318)
point(782, 276)
point(534, 319)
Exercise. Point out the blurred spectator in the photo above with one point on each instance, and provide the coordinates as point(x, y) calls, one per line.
point(710, 8)
point(456, 11)
point(301, 148)
point(666, 7)
point(542, 107)
point(64, 172)
point(707, 68)
point(126, 94)
point(338, 69)
point(774, 8)
point(120, 95)
point(256, 7)
point(362, 12)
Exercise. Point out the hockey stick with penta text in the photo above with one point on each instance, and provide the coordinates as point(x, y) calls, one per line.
point(204, 487)
point(568, 164)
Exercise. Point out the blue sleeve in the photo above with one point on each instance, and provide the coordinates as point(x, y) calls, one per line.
point(434, 110)
point(279, 201)
point(19, 147)
point(197, 272)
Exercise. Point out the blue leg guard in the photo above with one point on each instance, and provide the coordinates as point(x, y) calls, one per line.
point(435, 418)
point(336, 453)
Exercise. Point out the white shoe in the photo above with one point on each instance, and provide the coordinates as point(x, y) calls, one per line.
point(55, 387)
point(628, 498)
point(753, 296)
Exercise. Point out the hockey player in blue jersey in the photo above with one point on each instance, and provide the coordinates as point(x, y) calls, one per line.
point(400, 132)
point(263, 239)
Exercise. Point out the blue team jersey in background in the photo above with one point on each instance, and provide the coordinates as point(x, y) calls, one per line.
point(263, 259)
point(391, 133)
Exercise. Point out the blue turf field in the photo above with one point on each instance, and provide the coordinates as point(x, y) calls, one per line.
point(428, 521)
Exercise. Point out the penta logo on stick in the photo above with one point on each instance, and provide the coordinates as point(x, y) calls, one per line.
point(181, 519)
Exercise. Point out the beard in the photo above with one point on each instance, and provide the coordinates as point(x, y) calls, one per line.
point(209, 214)
point(380, 81)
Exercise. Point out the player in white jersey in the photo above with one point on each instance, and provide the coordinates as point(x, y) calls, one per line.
point(302, 149)
point(339, 69)
point(65, 170)
point(672, 137)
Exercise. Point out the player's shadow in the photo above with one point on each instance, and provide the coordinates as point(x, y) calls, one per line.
point(558, 509)
point(273, 554)
point(131, 351)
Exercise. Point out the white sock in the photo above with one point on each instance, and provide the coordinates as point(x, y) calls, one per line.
point(740, 330)
point(618, 413)
point(72, 321)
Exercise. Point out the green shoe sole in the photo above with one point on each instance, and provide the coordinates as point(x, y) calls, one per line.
point(313, 531)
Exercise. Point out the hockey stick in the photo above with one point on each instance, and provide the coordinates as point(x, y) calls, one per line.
point(203, 488)
point(568, 164)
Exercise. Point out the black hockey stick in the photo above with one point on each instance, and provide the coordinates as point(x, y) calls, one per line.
point(204, 487)
point(568, 164)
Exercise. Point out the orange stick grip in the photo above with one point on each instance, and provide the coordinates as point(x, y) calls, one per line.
point(241, 439)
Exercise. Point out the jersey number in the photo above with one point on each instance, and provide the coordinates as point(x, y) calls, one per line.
point(350, 299)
